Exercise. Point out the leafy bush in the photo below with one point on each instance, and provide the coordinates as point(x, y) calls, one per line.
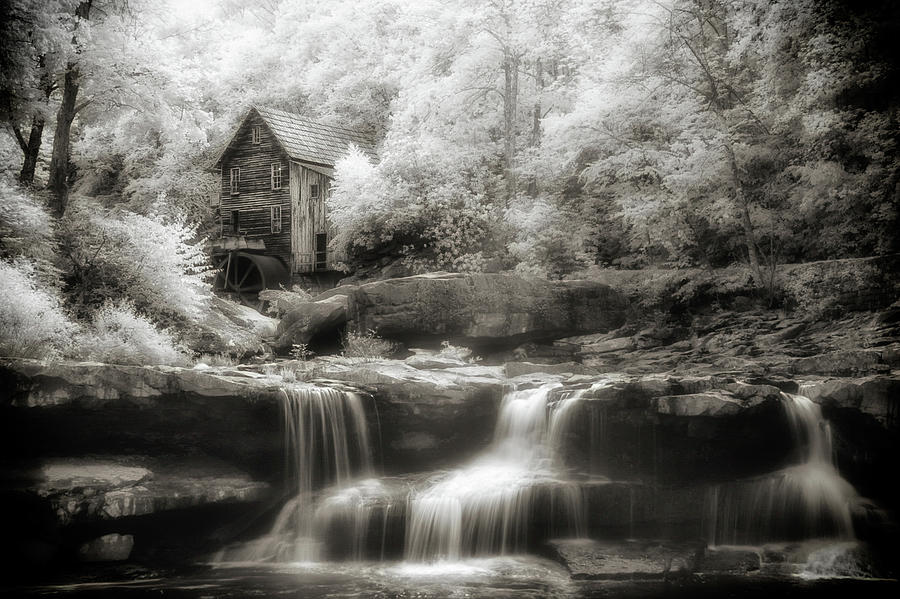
point(366, 345)
point(33, 323)
point(431, 217)
point(152, 262)
point(26, 230)
point(121, 336)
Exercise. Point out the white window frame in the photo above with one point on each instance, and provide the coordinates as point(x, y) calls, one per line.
point(235, 181)
point(255, 134)
point(275, 218)
point(276, 175)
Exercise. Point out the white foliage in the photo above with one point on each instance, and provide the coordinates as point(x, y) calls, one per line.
point(122, 336)
point(32, 321)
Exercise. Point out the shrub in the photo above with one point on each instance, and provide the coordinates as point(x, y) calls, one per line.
point(33, 323)
point(26, 230)
point(366, 345)
point(301, 352)
point(151, 262)
point(122, 336)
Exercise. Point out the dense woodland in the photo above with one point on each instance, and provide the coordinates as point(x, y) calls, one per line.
point(534, 136)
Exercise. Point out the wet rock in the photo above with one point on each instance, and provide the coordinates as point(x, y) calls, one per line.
point(728, 559)
point(108, 548)
point(86, 490)
point(514, 369)
point(713, 404)
point(602, 560)
point(426, 418)
point(876, 396)
point(434, 362)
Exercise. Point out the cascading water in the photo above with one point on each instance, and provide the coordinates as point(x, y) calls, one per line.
point(806, 500)
point(326, 442)
point(487, 507)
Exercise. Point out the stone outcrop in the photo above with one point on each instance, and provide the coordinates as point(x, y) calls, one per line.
point(476, 309)
point(83, 490)
point(426, 417)
point(230, 328)
point(587, 559)
point(307, 320)
point(112, 547)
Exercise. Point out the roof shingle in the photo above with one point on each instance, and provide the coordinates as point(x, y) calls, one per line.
point(309, 141)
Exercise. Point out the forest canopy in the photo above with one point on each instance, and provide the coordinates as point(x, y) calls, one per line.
point(535, 136)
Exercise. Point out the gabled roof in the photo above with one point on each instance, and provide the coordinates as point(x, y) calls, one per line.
point(308, 141)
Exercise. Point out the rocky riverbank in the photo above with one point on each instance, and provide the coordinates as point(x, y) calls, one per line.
point(165, 464)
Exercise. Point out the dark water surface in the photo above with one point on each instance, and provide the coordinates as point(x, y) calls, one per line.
point(525, 577)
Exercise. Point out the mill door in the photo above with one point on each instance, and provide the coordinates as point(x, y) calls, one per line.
point(321, 251)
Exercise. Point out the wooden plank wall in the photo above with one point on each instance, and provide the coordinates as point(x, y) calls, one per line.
point(256, 194)
point(308, 217)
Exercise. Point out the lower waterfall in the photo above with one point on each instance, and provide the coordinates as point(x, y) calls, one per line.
point(518, 492)
point(326, 441)
point(487, 507)
point(806, 500)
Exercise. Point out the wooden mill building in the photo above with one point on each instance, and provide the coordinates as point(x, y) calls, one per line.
point(276, 175)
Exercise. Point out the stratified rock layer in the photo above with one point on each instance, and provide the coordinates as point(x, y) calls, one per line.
point(478, 309)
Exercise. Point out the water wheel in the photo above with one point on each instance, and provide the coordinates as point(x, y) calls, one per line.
point(245, 275)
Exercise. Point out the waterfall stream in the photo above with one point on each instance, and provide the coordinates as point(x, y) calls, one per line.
point(326, 441)
point(486, 507)
point(806, 500)
point(516, 492)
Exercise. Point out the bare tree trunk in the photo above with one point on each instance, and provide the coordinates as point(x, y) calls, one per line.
point(31, 149)
point(59, 161)
point(536, 115)
point(744, 210)
point(510, 99)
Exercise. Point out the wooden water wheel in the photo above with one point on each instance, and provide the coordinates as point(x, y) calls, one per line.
point(245, 275)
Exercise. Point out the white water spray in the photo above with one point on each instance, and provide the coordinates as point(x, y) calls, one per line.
point(487, 507)
point(326, 442)
point(806, 500)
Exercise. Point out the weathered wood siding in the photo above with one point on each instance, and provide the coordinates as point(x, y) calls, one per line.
point(308, 217)
point(256, 195)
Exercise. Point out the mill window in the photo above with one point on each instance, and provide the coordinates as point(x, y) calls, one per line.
point(314, 191)
point(275, 217)
point(276, 176)
point(235, 221)
point(254, 134)
point(235, 181)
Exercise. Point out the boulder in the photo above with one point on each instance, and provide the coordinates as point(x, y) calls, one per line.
point(108, 548)
point(729, 559)
point(309, 319)
point(81, 490)
point(483, 309)
point(714, 404)
point(587, 559)
point(230, 328)
point(486, 308)
point(279, 301)
point(876, 396)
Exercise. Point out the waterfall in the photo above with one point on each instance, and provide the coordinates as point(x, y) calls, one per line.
point(487, 506)
point(806, 500)
point(326, 441)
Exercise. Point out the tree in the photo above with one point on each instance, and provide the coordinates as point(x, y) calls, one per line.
point(35, 36)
